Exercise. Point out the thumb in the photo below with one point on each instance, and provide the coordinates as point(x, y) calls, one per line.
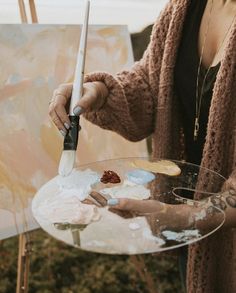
point(124, 203)
point(142, 206)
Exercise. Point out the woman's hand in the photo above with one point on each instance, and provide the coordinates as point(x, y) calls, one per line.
point(94, 97)
point(138, 206)
point(160, 216)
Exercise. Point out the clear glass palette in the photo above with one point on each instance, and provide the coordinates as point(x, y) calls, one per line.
point(182, 221)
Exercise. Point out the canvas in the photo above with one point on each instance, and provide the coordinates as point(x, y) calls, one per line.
point(34, 60)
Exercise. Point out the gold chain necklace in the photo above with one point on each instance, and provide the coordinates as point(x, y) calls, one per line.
point(199, 97)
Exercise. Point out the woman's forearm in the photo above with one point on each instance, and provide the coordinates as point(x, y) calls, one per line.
point(226, 201)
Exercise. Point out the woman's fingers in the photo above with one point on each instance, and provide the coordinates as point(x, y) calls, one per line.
point(98, 198)
point(57, 107)
point(142, 206)
point(89, 100)
point(57, 121)
point(94, 96)
point(64, 90)
point(123, 214)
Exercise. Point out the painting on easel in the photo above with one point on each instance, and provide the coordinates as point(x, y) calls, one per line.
point(34, 60)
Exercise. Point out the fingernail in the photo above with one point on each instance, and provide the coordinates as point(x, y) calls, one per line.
point(78, 110)
point(63, 133)
point(67, 126)
point(112, 202)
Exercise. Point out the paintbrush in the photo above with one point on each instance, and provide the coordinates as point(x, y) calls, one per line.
point(71, 139)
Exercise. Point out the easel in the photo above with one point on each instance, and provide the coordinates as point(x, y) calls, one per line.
point(24, 250)
point(23, 13)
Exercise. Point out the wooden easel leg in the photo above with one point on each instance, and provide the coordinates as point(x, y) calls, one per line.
point(23, 263)
point(139, 263)
point(22, 11)
point(24, 250)
point(33, 11)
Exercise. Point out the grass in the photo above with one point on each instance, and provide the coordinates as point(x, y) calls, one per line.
point(58, 268)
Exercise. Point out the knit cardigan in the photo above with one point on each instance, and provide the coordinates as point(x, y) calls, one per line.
point(142, 102)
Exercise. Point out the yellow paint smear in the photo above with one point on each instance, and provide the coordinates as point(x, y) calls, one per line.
point(162, 166)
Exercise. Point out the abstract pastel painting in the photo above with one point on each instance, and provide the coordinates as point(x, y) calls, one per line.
point(34, 60)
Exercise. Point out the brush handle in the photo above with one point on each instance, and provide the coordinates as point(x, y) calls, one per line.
point(72, 136)
point(79, 71)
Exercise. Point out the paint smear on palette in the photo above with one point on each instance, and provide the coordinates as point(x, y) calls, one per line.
point(79, 181)
point(66, 208)
point(184, 236)
point(148, 235)
point(134, 226)
point(201, 215)
point(127, 191)
point(162, 167)
point(140, 176)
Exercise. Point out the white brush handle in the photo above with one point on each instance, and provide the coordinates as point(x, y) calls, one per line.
point(79, 71)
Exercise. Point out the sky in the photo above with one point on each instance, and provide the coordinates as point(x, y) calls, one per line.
point(135, 13)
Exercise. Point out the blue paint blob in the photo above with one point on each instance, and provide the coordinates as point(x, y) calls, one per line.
point(140, 176)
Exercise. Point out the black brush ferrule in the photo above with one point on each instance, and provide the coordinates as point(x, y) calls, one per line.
point(71, 138)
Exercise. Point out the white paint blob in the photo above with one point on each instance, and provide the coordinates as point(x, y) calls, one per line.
point(96, 243)
point(65, 206)
point(183, 236)
point(78, 182)
point(134, 226)
point(148, 235)
point(68, 209)
point(201, 215)
point(126, 191)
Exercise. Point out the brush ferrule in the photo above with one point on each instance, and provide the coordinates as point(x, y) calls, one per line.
point(71, 138)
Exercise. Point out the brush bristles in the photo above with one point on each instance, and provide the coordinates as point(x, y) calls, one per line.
point(66, 163)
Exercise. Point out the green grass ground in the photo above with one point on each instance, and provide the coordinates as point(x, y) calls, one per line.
point(58, 268)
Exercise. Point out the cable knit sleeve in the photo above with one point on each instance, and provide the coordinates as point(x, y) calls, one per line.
point(130, 107)
point(231, 182)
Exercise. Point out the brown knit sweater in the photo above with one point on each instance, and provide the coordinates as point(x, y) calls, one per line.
point(142, 102)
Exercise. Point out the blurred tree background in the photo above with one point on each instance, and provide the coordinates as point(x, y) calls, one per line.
point(58, 268)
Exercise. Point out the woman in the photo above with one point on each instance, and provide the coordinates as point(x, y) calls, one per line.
point(183, 87)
